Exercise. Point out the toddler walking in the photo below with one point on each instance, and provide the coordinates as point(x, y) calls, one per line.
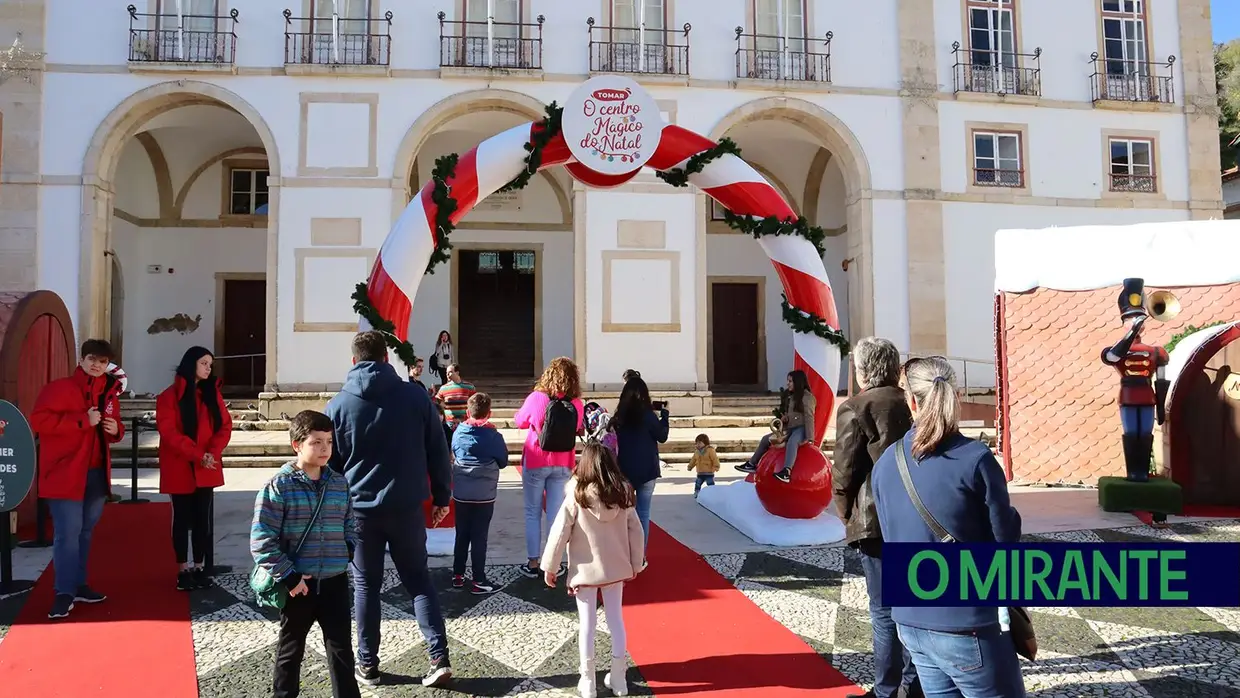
point(598, 521)
point(705, 461)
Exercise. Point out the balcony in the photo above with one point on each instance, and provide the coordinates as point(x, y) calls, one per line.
point(195, 41)
point(1134, 183)
point(1116, 80)
point(1009, 179)
point(767, 57)
point(335, 42)
point(490, 45)
point(640, 51)
point(982, 71)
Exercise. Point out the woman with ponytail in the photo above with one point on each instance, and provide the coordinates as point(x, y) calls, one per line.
point(955, 487)
point(194, 427)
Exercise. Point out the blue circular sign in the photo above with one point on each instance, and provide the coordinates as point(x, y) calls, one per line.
point(17, 457)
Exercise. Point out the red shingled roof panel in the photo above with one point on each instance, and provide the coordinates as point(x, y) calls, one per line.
point(1060, 397)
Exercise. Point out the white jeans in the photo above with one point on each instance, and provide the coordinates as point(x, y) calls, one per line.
point(587, 612)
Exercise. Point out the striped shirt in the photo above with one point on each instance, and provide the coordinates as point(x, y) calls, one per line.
point(455, 399)
point(282, 511)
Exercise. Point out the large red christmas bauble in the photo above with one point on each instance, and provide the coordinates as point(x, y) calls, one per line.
point(809, 493)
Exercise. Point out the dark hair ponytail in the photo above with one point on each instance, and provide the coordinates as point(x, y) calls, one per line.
point(207, 390)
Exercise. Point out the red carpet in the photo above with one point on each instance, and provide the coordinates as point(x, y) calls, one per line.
point(1199, 510)
point(138, 643)
point(691, 632)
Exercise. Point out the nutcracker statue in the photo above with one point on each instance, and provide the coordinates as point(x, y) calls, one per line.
point(1139, 364)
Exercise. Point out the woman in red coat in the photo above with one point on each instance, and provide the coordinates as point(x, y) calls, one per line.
point(194, 427)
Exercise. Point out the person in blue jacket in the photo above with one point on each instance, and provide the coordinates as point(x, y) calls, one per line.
point(390, 446)
point(478, 453)
point(639, 430)
point(957, 650)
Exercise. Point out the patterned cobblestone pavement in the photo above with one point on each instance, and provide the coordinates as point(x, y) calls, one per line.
point(521, 642)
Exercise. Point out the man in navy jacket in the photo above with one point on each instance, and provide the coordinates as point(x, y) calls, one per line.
point(391, 448)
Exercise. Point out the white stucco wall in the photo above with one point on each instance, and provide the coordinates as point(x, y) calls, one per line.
point(87, 78)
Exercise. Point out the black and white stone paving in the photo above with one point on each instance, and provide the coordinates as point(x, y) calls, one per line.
point(522, 641)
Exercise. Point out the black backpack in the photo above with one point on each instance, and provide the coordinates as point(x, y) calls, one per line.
point(559, 429)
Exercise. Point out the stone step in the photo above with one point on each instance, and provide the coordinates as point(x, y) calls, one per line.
point(731, 440)
point(276, 460)
point(702, 422)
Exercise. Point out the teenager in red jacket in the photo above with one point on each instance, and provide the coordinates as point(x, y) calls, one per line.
point(77, 419)
point(194, 427)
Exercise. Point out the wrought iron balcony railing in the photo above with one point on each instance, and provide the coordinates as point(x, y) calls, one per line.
point(993, 72)
point(1118, 80)
point(989, 177)
point(646, 51)
point(1141, 184)
point(321, 41)
point(201, 39)
point(767, 57)
point(474, 44)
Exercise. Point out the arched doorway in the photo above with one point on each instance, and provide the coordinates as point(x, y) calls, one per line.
point(195, 242)
point(818, 164)
point(501, 299)
point(1203, 416)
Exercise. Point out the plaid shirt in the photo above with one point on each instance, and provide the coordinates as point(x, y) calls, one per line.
point(282, 511)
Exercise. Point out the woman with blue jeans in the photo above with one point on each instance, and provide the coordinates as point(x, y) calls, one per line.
point(544, 474)
point(797, 407)
point(639, 431)
point(958, 651)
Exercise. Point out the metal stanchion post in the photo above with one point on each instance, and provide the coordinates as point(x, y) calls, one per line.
point(134, 426)
point(209, 558)
point(8, 585)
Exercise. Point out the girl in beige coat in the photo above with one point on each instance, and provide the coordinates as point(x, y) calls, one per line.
point(598, 521)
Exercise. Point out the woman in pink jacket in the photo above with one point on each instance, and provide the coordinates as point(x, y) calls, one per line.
point(554, 415)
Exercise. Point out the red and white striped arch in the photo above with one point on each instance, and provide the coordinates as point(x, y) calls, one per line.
point(729, 180)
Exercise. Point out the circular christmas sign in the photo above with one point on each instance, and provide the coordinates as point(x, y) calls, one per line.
point(612, 125)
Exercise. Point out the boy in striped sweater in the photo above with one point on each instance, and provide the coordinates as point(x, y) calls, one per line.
point(315, 573)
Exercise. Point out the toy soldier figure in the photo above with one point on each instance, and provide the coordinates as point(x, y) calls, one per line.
point(1139, 402)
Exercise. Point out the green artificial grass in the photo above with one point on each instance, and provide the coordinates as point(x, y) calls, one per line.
point(1158, 496)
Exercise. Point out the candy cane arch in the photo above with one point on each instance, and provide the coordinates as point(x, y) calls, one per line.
point(402, 260)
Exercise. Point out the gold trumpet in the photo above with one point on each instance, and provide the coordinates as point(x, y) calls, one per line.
point(1162, 306)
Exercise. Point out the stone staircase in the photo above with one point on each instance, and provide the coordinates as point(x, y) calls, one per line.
point(261, 442)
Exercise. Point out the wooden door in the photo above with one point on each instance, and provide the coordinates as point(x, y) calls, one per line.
point(1213, 430)
point(495, 313)
point(242, 363)
point(734, 325)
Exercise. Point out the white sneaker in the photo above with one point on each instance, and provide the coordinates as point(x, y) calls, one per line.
point(615, 679)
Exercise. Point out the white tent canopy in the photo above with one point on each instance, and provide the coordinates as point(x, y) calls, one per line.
point(1084, 258)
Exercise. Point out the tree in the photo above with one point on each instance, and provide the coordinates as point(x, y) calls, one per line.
point(1227, 78)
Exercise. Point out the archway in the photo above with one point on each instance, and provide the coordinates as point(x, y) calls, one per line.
point(501, 299)
point(141, 134)
point(1202, 434)
point(507, 161)
point(821, 151)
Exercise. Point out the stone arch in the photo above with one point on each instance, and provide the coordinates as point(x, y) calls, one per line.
point(99, 168)
point(452, 107)
point(834, 135)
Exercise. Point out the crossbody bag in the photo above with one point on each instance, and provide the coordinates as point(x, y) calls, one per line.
point(270, 591)
point(1019, 620)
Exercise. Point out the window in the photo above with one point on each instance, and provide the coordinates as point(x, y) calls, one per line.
point(488, 263)
point(992, 36)
point(247, 192)
point(637, 36)
point(1132, 165)
point(186, 29)
point(493, 32)
point(1124, 37)
point(777, 22)
point(716, 211)
point(997, 160)
point(523, 262)
point(341, 31)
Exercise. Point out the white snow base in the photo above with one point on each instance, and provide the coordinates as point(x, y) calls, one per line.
point(738, 505)
point(440, 541)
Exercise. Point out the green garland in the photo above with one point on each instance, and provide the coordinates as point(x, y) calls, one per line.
point(362, 306)
point(679, 177)
point(441, 194)
point(1187, 331)
point(805, 322)
point(549, 128)
point(761, 227)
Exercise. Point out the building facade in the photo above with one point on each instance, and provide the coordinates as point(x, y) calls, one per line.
point(210, 172)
